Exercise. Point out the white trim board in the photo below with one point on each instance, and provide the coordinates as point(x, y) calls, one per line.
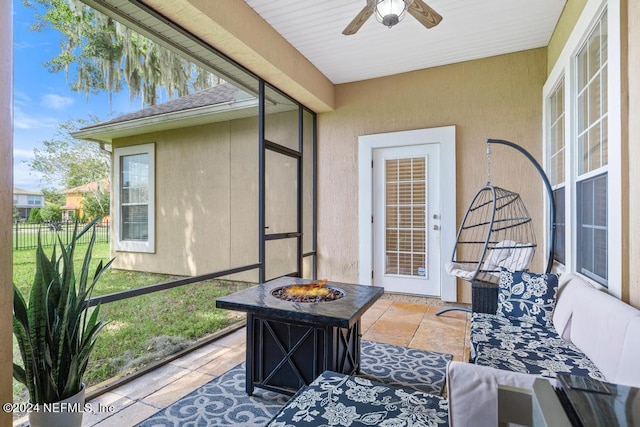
point(446, 137)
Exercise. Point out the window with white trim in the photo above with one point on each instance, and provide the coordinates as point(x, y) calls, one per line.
point(577, 148)
point(556, 167)
point(591, 144)
point(134, 198)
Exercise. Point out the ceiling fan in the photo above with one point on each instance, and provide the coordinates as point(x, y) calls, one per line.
point(390, 12)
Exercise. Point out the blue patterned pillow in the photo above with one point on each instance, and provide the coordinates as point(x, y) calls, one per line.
point(528, 297)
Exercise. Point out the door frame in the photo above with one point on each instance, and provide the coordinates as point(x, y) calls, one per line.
point(446, 137)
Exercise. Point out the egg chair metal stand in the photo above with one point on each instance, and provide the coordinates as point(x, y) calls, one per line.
point(496, 232)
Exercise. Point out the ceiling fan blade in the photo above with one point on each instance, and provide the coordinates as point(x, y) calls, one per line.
point(357, 22)
point(424, 14)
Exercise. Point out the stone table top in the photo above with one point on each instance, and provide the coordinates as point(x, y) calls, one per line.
point(343, 312)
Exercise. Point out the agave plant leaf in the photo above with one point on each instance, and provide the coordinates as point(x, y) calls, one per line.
point(89, 226)
point(99, 270)
point(19, 373)
point(93, 320)
point(22, 337)
point(83, 358)
point(38, 314)
point(51, 387)
point(84, 272)
point(62, 338)
point(20, 309)
point(74, 379)
point(91, 335)
point(67, 280)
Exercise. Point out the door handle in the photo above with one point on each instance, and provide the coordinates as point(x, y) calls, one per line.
point(436, 227)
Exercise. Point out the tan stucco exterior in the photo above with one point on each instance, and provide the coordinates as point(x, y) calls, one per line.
point(202, 181)
point(206, 194)
point(6, 203)
point(570, 14)
point(490, 98)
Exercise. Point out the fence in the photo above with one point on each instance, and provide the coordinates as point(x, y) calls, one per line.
point(25, 235)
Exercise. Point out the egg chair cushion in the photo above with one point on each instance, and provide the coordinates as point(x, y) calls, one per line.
point(468, 273)
point(513, 256)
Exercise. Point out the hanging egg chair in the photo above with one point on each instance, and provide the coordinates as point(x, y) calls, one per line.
point(496, 233)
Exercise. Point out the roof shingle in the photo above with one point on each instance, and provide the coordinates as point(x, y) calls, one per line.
point(218, 94)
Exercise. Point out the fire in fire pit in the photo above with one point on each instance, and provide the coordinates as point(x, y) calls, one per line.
point(314, 292)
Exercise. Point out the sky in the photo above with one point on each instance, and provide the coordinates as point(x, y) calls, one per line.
point(42, 100)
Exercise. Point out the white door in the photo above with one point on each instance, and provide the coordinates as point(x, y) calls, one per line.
point(406, 219)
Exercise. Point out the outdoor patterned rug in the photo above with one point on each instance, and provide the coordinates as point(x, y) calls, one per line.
point(224, 402)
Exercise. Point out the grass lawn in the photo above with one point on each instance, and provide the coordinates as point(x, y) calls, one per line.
point(143, 329)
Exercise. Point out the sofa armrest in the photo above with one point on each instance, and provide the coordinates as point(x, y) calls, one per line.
point(473, 392)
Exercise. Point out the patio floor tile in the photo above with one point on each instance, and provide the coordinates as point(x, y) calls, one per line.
point(201, 356)
point(223, 364)
point(145, 385)
point(131, 415)
point(101, 407)
point(390, 332)
point(177, 389)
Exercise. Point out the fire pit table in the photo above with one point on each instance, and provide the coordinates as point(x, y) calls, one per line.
point(290, 342)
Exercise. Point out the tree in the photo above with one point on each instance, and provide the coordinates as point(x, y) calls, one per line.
point(96, 204)
point(106, 55)
point(34, 215)
point(51, 213)
point(53, 195)
point(69, 162)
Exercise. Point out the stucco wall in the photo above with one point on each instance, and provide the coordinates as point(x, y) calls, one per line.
point(570, 14)
point(206, 190)
point(497, 97)
point(6, 203)
point(196, 201)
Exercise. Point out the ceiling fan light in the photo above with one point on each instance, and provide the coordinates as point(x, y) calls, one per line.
point(390, 12)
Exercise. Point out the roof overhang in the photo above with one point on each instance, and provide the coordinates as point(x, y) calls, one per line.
point(194, 117)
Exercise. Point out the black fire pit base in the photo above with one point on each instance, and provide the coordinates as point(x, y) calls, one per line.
point(284, 356)
point(290, 343)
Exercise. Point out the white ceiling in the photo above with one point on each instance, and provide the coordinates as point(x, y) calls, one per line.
point(470, 29)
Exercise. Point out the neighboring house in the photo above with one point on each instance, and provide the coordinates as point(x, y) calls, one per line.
point(75, 196)
point(184, 177)
point(25, 200)
point(187, 182)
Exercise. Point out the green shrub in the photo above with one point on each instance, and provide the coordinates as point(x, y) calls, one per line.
point(34, 215)
point(51, 213)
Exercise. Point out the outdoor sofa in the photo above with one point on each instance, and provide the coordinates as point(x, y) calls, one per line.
point(584, 331)
point(589, 333)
